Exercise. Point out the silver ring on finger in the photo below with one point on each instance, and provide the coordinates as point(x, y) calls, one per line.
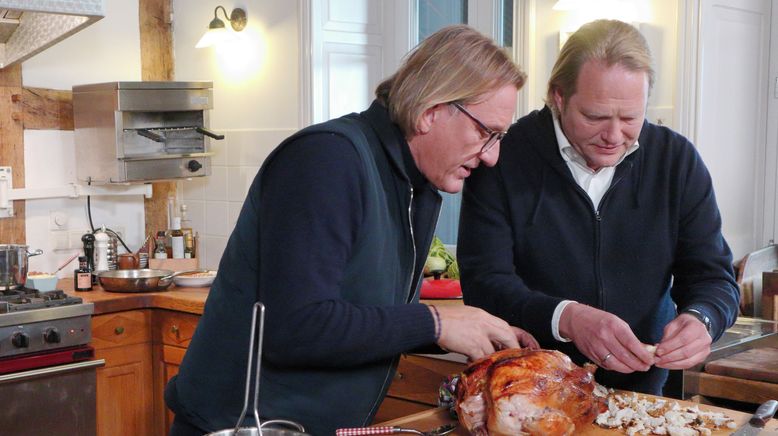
point(604, 359)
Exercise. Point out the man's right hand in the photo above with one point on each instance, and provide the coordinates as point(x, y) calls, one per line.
point(475, 333)
point(605, 339)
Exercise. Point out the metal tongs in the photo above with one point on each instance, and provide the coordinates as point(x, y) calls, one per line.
point(259, 308)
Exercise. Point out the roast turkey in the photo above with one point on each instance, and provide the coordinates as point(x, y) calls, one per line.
point(531, 392)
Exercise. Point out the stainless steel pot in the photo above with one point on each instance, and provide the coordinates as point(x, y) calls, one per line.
point(137, 280)
point(13, 265)
point(268, 429)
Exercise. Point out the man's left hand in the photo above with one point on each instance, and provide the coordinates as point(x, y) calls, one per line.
point(685, 343)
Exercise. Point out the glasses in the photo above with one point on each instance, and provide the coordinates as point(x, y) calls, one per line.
point(494, 136)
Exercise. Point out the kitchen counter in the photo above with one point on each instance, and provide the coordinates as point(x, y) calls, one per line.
point(189, 300)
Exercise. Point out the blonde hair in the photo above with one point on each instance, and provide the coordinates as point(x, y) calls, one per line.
point(610, 41)
point(455, 64)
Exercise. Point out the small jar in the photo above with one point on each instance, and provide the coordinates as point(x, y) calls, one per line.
point(82, 277)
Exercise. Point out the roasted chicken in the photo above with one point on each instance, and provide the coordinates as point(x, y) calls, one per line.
point(527, 392)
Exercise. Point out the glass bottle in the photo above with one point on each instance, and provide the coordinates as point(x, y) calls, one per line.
point(177, 239)
point(83, 275)
point(160, 252)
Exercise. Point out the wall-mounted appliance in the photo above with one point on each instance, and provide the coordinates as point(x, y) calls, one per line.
point(142, 131)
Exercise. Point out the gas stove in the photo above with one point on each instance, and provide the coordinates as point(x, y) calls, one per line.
point(34, 322)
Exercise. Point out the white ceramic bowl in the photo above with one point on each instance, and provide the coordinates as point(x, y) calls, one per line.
point(195, 280)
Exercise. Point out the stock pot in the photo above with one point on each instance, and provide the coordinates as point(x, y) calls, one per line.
point(13, 265)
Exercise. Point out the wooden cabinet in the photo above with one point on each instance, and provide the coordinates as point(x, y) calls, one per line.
point(172, 332)
point(415, 386)
point(124, 384)
point(142, 350)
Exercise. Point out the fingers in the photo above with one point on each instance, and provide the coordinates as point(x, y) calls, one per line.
point(475, 333)
point(599, 334)
point(685, 343)
point(526, 340)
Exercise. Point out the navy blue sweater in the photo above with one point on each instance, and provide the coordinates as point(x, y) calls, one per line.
point(530, 237)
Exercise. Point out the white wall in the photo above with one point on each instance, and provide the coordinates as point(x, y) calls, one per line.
point(657, 22)
point(256, 105)
point(256, 94)
point(108, 50)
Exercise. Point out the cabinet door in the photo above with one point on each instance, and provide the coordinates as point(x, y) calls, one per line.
point(124, 394)
point(124, 384)
point(172, 332)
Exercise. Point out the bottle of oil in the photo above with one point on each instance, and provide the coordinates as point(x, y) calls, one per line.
point(160, 252)
point(177, 239)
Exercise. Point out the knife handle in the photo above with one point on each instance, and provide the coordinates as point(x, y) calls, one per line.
point(764, 413)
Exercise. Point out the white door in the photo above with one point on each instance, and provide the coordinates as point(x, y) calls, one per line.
point(732, 113)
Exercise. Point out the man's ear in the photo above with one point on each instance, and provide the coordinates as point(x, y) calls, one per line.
point(558, 99)
point(424, 123)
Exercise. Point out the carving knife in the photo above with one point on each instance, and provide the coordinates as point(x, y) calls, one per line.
point(757, 422)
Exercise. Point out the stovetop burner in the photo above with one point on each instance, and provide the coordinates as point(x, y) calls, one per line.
point(27, 299)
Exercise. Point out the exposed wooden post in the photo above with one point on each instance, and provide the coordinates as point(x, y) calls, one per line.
point(12, 230)
point(47, 109)
point(156, 58)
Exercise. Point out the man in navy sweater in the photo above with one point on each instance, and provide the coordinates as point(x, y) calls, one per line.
point(333, 237)
point(597, 231)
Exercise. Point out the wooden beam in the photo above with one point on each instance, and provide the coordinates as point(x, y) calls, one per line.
point(12, 230)
point(47, 109)
point(156, 58)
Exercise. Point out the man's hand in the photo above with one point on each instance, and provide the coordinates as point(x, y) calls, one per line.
point(475, 333)
point(604, 338)
point(684, 344)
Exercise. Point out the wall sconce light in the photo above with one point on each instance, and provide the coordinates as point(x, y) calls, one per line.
point(217, 32)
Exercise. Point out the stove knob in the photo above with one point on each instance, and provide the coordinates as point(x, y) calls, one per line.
point(52, 336)
point(194, 166)
point(20, 340)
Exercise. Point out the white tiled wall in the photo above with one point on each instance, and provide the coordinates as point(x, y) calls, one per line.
point(213, 203)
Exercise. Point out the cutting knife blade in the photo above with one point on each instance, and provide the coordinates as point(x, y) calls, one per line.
point(756, 424)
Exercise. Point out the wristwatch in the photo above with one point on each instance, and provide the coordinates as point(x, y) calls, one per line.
point(700, 316)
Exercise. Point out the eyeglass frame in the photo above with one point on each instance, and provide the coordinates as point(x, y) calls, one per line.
point(495, 136)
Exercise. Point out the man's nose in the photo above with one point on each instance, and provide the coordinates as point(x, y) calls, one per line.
point(490, 157)
point(612, 133)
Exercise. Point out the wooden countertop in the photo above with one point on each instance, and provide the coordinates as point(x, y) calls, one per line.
point(190, 300)
point(430, 419)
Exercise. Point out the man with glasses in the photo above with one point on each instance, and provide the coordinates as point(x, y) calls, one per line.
point(333, 237)
point(599, 232)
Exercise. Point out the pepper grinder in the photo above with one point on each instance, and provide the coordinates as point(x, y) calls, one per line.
point(89, 251)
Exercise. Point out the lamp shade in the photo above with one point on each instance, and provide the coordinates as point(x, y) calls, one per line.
point(214, 37)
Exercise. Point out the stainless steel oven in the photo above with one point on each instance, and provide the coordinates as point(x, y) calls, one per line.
point(48, 371)
point(142, 131)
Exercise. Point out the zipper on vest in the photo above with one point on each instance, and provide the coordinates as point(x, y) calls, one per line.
point(413, 247)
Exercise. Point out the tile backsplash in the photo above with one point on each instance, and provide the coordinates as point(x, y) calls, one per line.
point(213, 203)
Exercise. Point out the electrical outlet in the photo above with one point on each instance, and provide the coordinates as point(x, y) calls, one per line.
point(60, 239)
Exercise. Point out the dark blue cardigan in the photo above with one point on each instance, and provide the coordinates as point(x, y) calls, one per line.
point(530, 237)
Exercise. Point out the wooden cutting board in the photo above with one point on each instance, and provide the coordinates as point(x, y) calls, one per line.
point(434, 418)
point(756, 364)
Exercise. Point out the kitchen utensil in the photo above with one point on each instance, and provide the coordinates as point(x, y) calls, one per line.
point(260, 430)
point(359, 431)
point(137, 280)
point(65, 263)
point(757, 422)
point(13, 265)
